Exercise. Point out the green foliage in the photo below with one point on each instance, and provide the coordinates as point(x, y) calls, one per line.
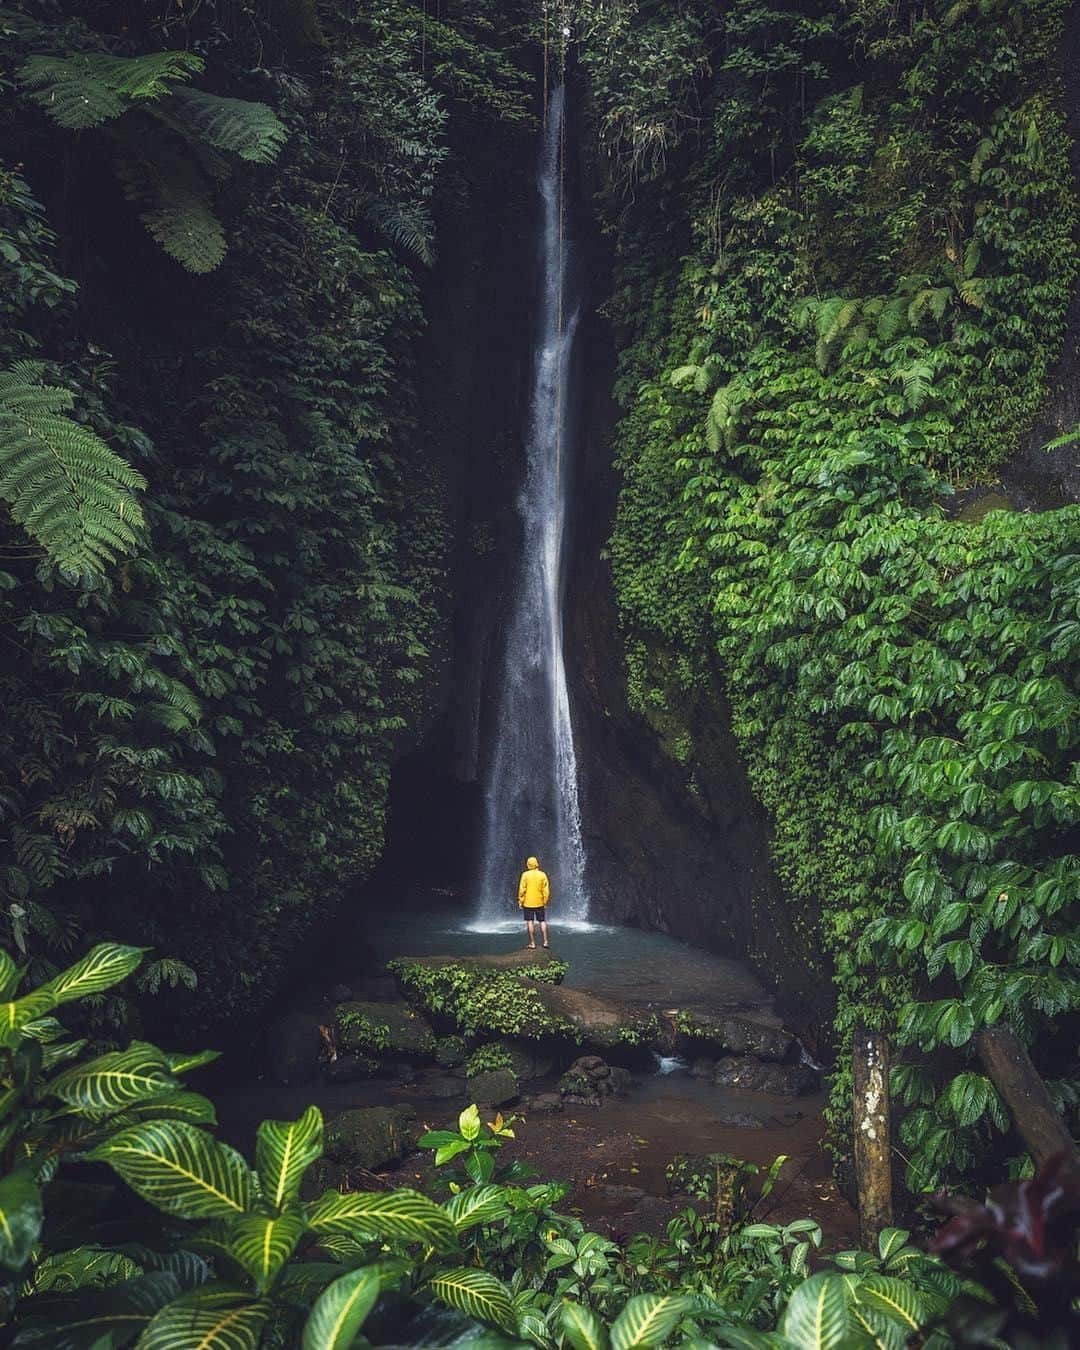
point(216, 716)
point(484, 999)
point(488, 1057)
point(873, 296)
point(62, 483)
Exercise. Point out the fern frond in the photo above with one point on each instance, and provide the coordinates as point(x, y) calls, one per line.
point(893, 318)
point(253, 131)
point(722, 419)
point(933, 299)
point(983, 151)
point(64, 485)
point(89, 88)
point(408, 227)
point(972, 256)
point(175, 200)
point(917, 379)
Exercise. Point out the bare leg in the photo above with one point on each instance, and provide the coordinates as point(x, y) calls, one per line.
point(532, 932)
point(543, 929)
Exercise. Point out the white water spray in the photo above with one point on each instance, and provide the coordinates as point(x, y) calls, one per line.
point(531, 793)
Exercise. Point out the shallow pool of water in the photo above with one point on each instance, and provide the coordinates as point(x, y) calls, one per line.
point(649, 969)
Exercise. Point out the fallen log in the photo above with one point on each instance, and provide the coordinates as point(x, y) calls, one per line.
point(873, 1134)
point(1008, 1066)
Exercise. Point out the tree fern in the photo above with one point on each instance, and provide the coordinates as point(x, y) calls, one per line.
point(90, 88)
point(64, 485)
point(252, 131)
point(408, 227)
point(175, 198)
point(893, 318)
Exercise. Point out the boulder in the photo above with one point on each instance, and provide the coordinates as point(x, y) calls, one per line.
point(702, 1068)
point(735, 1035)
point(441, 1087)
point(544, 1102)
point(529, 1061)
point(590, 1079)
point(293, 1044)
point(383, 1029)
point(450, 1051)
point(323, 1175)
point(782, 1080)
point(370, 1137)
point(598, 1021)
point(495, 1088)
point(349, 1068)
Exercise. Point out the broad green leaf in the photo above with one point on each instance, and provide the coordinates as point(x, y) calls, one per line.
point(103, 966)
point(880, 1332)
point(475, 1205)
point(208, 1319)
point(403, 1214)
point(10, 975)
point(113, 1081)
point(648, 1319)
point(816, 1317)
point(44, 1030)
point(263, 1244)
point(81, 1267)
point(896, 1298)
point(180, 1169)
point(890, 1241)
point(284, 1150)
point(742, 1338)
point(190, 1106)
point(184, 1063)
point(582, 1328)
point(16, 1016)
point(469, 1122)
point(20, 1218)
point(96, 1319)
point(340, 1311)
point(477, 1294)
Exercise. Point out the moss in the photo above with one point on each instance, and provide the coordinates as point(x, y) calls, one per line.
point(481, 999)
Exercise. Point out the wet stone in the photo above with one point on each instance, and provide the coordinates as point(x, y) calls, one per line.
point(496, 1088)
point(782, 1080)
point(370, 1137)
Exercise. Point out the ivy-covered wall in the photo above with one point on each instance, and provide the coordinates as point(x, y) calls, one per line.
point(217, 229)
point(845, 254)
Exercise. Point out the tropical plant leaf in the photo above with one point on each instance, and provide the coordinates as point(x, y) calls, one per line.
point(210, 1318)
point(403, 1214)
point(102, 967)
point(88, 88)
point(340, 1310)
point(10, 975)
point(284, 1149)
point(180, 1064)
point(252, 131)
point(190, 1106)
point(648, 1319)
point(96, 1319)
point(477, 1294)
point(475, 1205)
point(816, 1317)
point(896, 1298)
point(21, 1217)
point(180, 1169)
point(113, 1081)
point(582, 1328)
point(262, 1244)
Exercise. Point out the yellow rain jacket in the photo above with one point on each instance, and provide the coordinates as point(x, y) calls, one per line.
point(533, 889)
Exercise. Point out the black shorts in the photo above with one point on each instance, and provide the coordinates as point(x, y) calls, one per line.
point(537, 915)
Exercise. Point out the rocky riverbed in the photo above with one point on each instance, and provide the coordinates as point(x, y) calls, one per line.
point(610, 1082)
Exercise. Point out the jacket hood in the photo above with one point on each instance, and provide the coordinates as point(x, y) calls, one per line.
point(531, 862)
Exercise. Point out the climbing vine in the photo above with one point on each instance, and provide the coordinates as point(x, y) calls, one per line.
point(877, 222)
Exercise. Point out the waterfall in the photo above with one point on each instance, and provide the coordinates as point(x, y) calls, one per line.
point(531, 788)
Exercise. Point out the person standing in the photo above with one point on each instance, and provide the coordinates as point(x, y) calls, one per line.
point(534, 891)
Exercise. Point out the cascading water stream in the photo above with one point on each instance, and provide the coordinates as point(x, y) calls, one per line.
point(531, 790)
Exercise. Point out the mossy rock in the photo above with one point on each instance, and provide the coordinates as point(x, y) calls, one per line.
point(370, 1137)
point(383, 1029)
point(697, 1030)
point(496, 1088)
point(486, 996)
point(450, 1051)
